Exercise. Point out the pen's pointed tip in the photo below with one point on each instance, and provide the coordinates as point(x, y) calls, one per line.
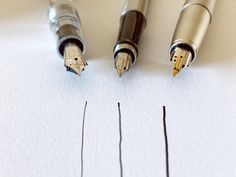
point(175, 72)
point(122, 63)
point(120, 73)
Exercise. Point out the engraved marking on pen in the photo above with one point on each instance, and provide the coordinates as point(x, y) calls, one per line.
point(166, 142)
point(120, 142)
point(82, 143)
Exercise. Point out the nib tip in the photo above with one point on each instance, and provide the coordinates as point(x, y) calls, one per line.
point(122, 63)
point(175, 72)
point(120, 74)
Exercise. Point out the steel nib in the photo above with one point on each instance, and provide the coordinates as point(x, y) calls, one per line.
point(73, 59)
point(181, 59)
point(122, 63)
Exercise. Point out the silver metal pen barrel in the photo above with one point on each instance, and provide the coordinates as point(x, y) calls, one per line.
point(132, 23)
point(192, 26)
point(136, 5)
point(66, 25)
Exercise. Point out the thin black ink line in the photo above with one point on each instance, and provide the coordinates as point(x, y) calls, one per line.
point(166, 142)
point(82, 141)
point(120, 142)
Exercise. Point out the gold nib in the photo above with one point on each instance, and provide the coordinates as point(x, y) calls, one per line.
point(181, 59)
point(175, 72)
point(122, 63)
point(74, 60)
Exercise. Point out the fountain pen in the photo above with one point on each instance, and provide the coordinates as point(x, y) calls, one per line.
point(66, 25)
point(132, 23)
point(192, 26)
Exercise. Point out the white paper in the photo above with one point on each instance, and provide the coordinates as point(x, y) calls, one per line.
point(41, 105)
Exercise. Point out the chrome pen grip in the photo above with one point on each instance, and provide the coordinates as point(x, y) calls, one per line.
point(66, 26)
point(65, 23)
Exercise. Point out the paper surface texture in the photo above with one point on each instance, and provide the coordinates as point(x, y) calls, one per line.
point(41, 105)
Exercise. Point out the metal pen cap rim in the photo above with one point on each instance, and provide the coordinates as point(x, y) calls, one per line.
point(69, 39)
point(127, 48)
point(184, 44)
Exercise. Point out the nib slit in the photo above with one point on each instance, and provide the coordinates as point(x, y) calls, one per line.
point(122, 63)
point(181, 58)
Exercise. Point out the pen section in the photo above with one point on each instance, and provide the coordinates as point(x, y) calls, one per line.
point(131, 28)
point(69, 34)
